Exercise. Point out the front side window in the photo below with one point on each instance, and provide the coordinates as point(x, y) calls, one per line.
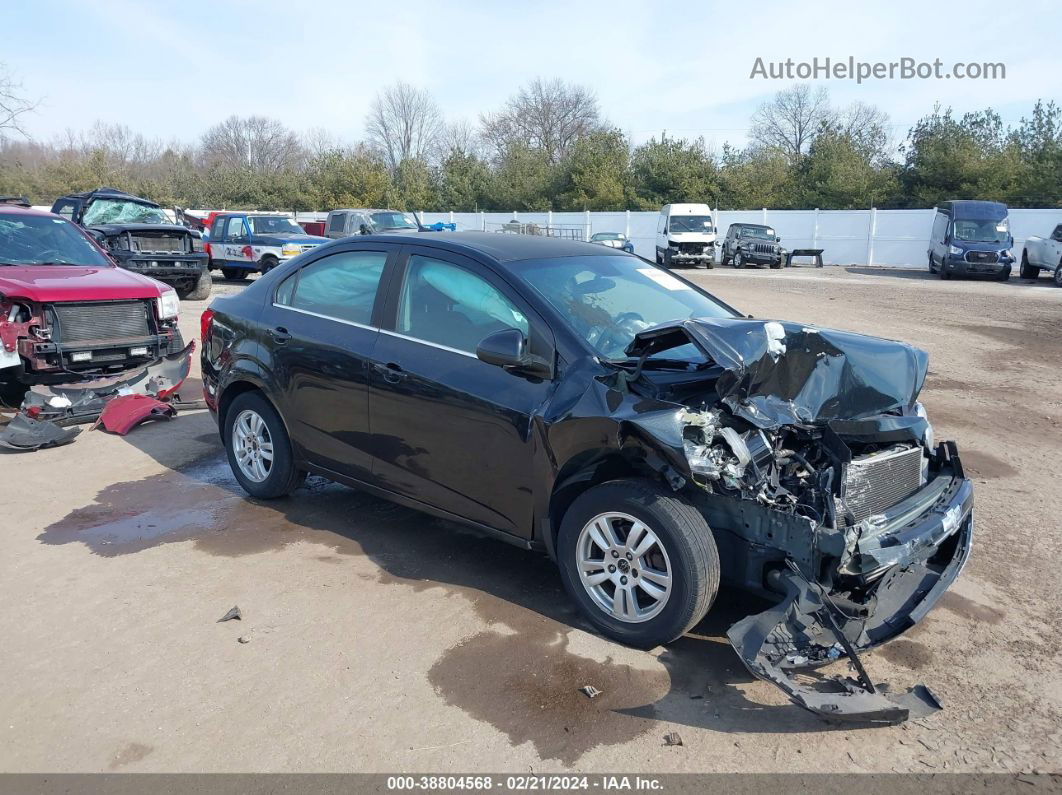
point(608, 300)
point(234, 231)
point(388, 221)
point(448, 305)
point(43, 240)
point(341, 286)
point(120, 211)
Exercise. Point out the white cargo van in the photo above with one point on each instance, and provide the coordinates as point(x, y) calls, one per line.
point(685, 235)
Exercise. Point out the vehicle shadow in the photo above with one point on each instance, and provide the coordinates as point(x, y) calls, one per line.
point(198, 500)
point(923, 274)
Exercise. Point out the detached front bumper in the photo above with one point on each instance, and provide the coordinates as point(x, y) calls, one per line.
point(898, 565)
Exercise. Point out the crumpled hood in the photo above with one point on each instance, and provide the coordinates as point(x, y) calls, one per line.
point(777, 373)
point(280, 239)
point(170, 229)
point(75, 283)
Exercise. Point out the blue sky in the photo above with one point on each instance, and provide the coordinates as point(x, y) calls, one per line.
point(170, 70)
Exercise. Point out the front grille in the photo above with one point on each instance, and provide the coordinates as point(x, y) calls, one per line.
point(982, 256)
point(159, 244)
point(763, 248)
point(691, 248)
point(105, 320)
point(872, 483)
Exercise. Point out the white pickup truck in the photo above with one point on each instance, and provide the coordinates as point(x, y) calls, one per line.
point(1043, 254)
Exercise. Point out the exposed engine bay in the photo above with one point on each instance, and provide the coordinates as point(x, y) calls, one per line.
point(816, 469)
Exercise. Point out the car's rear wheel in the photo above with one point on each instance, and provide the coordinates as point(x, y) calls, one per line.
point(640, 562)
point(1028, 271)
point(234, 274)
point(259, 449)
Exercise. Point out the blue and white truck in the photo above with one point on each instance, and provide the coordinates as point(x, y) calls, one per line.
point(241, 243)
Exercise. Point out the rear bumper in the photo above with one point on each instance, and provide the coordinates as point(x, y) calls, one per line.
point(898, 566)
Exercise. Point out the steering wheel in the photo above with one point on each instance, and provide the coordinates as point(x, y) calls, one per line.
point(624, 327)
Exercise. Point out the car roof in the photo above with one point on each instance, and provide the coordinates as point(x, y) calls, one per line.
point(743, 225)
point(110, 193)
point(501, 247)
point(974, 208)
point(365, 210)
point(20, 210)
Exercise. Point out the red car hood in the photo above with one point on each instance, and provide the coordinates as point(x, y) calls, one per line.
point(74, 283)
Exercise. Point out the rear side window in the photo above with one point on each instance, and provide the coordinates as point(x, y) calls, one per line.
point(448, 305)
point(235, 228)
point(341, 286)
point(335, 223)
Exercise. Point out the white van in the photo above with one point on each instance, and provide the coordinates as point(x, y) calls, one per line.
point(685, 234)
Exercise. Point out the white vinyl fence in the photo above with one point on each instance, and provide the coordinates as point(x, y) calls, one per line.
point(861, 237)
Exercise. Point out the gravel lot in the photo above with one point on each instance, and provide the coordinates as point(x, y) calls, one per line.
point(378, 639)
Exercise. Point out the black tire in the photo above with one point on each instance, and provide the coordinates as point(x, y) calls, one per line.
point(283, 478)
point(1057, 277)
point(1004, 275)
point(1028, 271)
point(200, 291)
point(739, 260)
point(234, 274)
point(659, 258)
point(724, 259)
point(932, 265)
point(684, 534)
point(268, 263)
point(667, 259)
point(776, 265)
point(943, 271)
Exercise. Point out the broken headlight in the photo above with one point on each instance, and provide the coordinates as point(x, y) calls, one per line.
point(927, 437)
point(168, 305)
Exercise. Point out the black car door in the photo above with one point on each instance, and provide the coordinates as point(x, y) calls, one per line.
point(320, 329)
point(450, 430)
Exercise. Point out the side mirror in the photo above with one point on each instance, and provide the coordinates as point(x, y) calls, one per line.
point(777, 239)
point(508, 349)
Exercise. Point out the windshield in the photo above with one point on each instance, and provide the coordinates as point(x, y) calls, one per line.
point(43, 240)
point(121, 211)
point(608, 236)
point(393, 220)
point(982, 231)
point(758, 232)
point(274, 225)
point(607, 300)
point(701, 224)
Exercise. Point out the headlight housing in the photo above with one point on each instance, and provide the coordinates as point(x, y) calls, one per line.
point(955, 251)
point(168, 305)
point(290, 250)
point(197, 244)
point(920, 410)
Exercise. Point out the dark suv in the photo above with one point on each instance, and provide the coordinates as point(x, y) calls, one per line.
point(752, 244)
point(570, 398)
point(140, 237)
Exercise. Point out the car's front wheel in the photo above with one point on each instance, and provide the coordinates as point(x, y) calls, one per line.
point(640, 561)
point(1058, 275)
point(259, 449)
point(1028, 271)
point(739, 260)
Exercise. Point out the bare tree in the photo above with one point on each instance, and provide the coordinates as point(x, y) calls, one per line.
point(791, 120)
point(868, 127)
point(13, 105)
point(549, 115)
point(404, 123)
point(258, 143)
point(459, 138)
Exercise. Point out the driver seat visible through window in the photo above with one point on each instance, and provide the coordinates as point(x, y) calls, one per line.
point(447, 305)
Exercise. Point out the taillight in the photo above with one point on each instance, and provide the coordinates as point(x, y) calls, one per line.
point(205, 321)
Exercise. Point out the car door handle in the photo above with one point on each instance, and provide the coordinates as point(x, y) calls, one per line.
point(391, 372)
point(279, 334)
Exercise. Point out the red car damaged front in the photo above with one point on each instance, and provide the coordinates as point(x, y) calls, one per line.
point(67, 312)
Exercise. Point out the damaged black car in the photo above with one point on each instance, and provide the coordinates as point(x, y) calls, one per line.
point(653, 440)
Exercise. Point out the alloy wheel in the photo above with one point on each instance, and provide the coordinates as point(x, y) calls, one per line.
point(252, 445)
point(624, 567)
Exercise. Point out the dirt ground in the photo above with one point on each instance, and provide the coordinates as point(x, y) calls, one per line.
point(378, 639)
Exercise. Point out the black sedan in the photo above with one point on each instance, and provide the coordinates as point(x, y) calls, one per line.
point(569, 398)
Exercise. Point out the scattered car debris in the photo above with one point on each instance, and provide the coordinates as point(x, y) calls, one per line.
point(123, 413)
point(26, 433)
point(589, 691)
point(244, 639)
point(672, 738)
point(234, 613)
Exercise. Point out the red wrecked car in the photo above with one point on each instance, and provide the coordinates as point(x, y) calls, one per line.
point(67, 312)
